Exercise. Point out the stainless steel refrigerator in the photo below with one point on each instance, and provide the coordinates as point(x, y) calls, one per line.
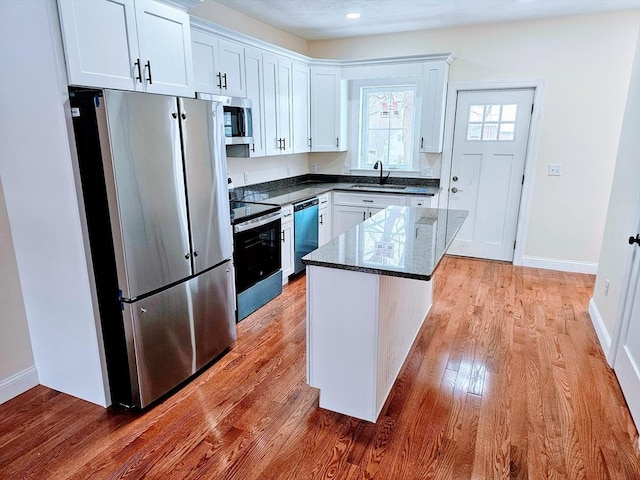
point(154, 181)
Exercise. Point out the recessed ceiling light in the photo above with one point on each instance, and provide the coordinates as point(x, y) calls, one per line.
point(353, 15)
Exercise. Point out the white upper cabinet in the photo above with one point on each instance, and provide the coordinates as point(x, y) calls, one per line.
point(219, 65)
point(300, 108)
point(328, 110)
point(255, 93)
point(137, 45)
point(434, 93)
point(277, 104)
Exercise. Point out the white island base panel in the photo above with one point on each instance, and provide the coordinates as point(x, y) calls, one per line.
point(360, 328)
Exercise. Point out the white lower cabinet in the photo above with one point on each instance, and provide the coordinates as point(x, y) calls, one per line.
point(287, 243)
point(350, 209)
point(324, 218)
point(424, 201)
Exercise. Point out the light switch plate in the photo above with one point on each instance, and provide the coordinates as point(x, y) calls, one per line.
point(555, 169)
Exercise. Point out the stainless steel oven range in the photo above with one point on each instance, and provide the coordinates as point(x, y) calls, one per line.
point(257, 255)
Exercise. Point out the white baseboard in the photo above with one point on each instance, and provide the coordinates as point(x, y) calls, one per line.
point(19, 383)
point(560, 265)
point(601, 329)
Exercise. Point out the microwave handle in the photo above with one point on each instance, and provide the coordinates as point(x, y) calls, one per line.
point(241, 125)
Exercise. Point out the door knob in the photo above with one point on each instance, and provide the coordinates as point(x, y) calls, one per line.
point(635, 239)
point(455, 179)
point(455, 190)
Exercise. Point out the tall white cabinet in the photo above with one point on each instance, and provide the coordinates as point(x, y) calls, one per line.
point(255, 93)
point(300, 107)
point(278, 89)
point(139, 45)
point(328, 110)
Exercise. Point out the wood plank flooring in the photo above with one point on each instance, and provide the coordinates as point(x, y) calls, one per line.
point(506, 380)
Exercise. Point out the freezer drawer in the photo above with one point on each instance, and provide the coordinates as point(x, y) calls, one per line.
point(178, 331)
point(214, 313)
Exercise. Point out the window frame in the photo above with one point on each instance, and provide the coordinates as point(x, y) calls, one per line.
point(356, 111)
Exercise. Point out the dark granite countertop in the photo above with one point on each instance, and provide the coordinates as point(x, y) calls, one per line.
point(398, 241)
point(305, 189)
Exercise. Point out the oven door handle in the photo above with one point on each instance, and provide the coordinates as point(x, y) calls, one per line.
point(257, 222)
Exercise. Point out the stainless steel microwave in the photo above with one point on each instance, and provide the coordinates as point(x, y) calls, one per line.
point(238, 123)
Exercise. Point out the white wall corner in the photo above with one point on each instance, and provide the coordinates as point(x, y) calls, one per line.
point(601, 331)
point(19, 383)
point(560, 265)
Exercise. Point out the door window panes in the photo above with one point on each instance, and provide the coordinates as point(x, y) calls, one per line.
point(492, 122)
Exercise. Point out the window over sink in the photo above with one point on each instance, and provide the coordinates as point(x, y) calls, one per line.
point(388, 113)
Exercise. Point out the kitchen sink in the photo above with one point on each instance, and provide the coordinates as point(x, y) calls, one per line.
point(377, 187)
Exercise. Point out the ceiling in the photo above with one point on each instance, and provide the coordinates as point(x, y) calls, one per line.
point(323, 19)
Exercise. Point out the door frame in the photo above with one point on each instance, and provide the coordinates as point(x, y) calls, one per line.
point(624, 297)
point(531, 157)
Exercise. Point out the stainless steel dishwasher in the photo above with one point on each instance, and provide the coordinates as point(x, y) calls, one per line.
point(305, 231)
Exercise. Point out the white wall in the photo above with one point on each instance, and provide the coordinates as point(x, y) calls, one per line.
point(219, 14)
point(586, 62)
point(17, 368)
point(621, 218)
point(42, 202)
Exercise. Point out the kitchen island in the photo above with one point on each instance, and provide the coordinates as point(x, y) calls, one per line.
point(368, 293)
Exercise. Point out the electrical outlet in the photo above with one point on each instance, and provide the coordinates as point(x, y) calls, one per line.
point(346, 169)
point(426, 171)
point(246, 178)
point(606, 288)
point(314, 167)
point(555, 170)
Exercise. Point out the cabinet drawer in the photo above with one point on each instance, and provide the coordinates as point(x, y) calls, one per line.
point(369, 199)
point(287, 214)
point(324, 201)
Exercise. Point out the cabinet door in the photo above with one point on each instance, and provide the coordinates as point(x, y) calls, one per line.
point(347, 217)
point(101, 43)
point(270, 90)
point(255, 81)
point(287, 251)
point(285, 93)
point(164, 37)
point(232, 68)
point(300, 108)
point(205, 63)
point(324, 226)
point(328, 110)
point(434, 92)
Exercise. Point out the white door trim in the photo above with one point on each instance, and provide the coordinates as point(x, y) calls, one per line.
point(624, 295)
point(539, 87)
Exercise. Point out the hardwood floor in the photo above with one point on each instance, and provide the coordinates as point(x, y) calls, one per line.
point(506, 380)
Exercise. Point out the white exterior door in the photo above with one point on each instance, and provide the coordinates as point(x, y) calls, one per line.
point(627, 361)
point(489, 148)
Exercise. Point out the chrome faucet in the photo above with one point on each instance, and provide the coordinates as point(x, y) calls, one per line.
point(375, 167)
